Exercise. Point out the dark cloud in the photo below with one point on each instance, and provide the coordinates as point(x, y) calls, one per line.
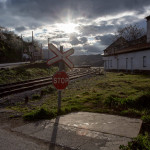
point(75, 41)
point(50, 10)
point(105, 39)
point(93, 29)
point(88, 49)
point(22, 28)
point(35, 13)
point(92, 49)
point(83, 40)
point(1, 5)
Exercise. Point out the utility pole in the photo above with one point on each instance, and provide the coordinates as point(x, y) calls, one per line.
point(41, 51)
point(32, 47)
point(22, 49)
point(48, 50)
point(32, 37)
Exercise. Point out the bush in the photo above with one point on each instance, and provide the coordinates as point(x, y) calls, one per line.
point(142, 142)
point(118, 102)
point(40, 114)
point(146, 118)
point(143, 101)
point(140, 103)
point(131, 113)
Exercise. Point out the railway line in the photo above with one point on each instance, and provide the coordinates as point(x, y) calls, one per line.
point(18, 87)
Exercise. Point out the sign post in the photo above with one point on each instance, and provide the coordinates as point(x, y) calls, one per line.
point(60, 79)
point(61, 67)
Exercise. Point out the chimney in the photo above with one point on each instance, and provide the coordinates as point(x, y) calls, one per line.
point(148, 29)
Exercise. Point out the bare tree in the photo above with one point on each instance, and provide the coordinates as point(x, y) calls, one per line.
point(130, 32)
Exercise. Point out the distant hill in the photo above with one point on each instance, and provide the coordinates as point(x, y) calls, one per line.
point(93, 60)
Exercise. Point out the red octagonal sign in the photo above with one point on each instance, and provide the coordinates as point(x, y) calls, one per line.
point(60, 80)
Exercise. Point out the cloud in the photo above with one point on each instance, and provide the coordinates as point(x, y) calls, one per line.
point(105, 39)
point(96, 20)
point(88, 49)
point(21, 28)
point(93, 29)
point(57, 10)
point(76, 41)
point(83, 39)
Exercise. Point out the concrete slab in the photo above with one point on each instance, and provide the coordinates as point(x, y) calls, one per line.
point(112, 124)
point(84, 131)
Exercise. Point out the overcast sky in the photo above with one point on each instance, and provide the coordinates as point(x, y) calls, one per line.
point(85, 25)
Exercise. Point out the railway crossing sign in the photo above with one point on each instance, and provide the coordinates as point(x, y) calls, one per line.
point(60, 80)
point(60, 56)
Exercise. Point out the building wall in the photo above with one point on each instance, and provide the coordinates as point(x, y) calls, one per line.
point(148, 31)
point(139, 60)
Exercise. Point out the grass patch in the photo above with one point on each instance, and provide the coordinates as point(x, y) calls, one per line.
point(115, 93)
point(48, 90)
point(39, 114)
point(131, 113)
point(36, 96)
point(146, 118)
point(25, 72)
point(141, 142)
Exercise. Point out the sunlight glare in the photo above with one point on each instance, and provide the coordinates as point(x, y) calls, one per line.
point(68, 27)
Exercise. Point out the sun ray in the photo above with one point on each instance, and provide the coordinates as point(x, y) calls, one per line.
point(67, 27)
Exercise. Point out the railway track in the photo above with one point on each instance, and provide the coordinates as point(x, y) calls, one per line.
point(18, 87)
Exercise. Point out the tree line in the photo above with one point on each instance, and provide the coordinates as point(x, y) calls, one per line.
point(13, 46)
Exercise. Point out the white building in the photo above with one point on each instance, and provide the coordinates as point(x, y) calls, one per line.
point(135, 58)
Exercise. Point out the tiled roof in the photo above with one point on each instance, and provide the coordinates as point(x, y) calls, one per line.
point(137, 47)
point(126, 46)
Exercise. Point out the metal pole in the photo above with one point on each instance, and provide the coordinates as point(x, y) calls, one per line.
point(61, 67)
point(59, 101)
point(22, 49)
point(48, 50)
point(32, 48)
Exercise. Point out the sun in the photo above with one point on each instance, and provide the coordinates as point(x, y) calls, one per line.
point(68, 27)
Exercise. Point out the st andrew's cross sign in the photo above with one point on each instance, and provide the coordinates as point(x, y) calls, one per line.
point(60, 56)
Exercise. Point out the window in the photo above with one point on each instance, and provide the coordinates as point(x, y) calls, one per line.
point(126, 63)
point(111, 63)
point(144, 61)
point(105, 63)
point(118, 63)
point(131, 63)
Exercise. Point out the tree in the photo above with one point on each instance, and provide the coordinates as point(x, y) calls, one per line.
point(130, 32)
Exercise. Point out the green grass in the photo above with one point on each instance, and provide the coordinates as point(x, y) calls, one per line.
point(141, 142)
point(26, 72)
point(115, 93)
